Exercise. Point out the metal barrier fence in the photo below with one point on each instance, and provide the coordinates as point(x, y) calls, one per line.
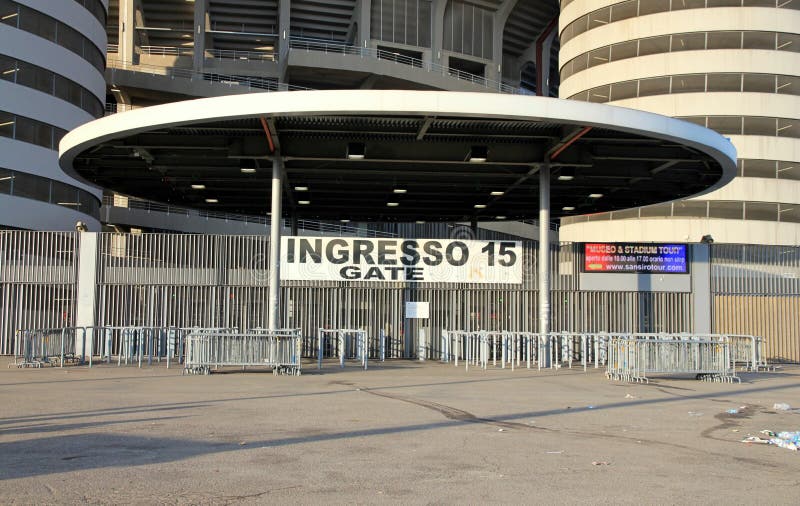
point(633, 358)
point(46, 347)
point(714, 356)
point(348, 344)
point(278, 350)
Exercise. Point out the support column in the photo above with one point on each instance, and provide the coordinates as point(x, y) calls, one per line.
point(275, 244)
point(437, 30)
point(544, 249)
point(199, 51)
point(701, 287)
point(495, 71)
point(364, 23)
point(284, 15)
point(87, 291)
point(127, 31)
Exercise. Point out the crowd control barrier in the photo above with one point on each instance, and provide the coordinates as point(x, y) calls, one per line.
point(347, 344)
point(634, 358)
point(276, 349)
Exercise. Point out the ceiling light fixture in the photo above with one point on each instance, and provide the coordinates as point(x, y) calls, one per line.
point(399, 190)
point(212, 201)
point(345, 221)
point(568, 208)
point(478, 154)
point(303, 202)
point(198, 187)
point(500, 217)
point(566, 174)
point(496, 193)
point(392, 204)
point(247, 170)
point(480, 206)
point(356, 151)
point(595, 195)
point(301, 188)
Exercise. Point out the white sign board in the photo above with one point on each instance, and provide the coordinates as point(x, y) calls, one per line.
point(417, 310)
point(417, 260)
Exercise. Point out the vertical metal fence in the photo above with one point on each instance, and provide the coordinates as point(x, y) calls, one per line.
point(182, 280)
point(756, 291)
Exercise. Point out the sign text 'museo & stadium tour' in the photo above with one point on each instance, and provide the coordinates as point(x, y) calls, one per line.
point(416, 260)
point(636, 257)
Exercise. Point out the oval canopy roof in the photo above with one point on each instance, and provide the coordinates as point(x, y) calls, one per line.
point(372, 155)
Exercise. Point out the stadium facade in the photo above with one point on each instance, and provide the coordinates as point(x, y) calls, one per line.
point(52, 60)
point(730, 65)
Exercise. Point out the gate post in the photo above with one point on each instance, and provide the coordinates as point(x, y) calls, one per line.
point(86, 282)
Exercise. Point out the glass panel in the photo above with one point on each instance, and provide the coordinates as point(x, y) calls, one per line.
point(6, 178)
point(8, 68)
point(726, 210)
point(678, 5)
point(6, 124)
point(758, 40)
point(789, 85)
point(599, 17)
point(625, 214)
point(654, 45)
point(654, 86)
point(789, 170)
point(789, 213)
point(759, 168)
point(661, 210)
point(624, 50)
point(731, 125)
point(9, 13)
point(624, 10)
point(599, 56)
point(599, 217)
point(760, 3)
point(37, 24)
point(599, 94)
point(788, 127)
point(697, 120)
point(89, 204)
point(688, 41)
point(32, 187)
point(689, 83)
point(724, 82)
point(724, 40)
point(759, 83)
point(621, 91)
point(724, 3)
point(579, 63)
point(765, 211)
point(65, 195)
point(579, 25)
point(653, 6)
point(70, 39)
point(789, 42)
point(755, 125)
point(690, 208)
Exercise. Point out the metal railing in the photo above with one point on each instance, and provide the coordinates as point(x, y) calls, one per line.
point(306, 225)
point(329, 47)
point(242, 55)
point(165, 50)
point(249, 82)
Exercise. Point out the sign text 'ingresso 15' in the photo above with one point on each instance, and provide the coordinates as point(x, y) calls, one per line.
point(636, 257)
point(417, 260)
